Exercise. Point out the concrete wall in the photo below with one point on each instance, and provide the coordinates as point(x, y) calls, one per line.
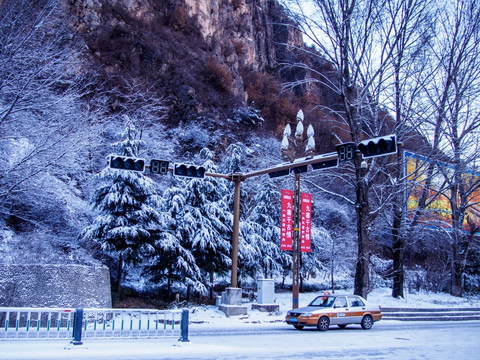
point(55, 286)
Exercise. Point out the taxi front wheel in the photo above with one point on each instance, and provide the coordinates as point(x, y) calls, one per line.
point(367, 322)
point(323, 323)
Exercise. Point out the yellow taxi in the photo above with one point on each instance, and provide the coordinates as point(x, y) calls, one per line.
point(340, 310)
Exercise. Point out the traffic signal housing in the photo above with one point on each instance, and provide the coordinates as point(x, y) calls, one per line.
point(300, 169)
point(346, 151)
point(159, 166)
point(189, 170)
point(325, 164)
point(379, 146)
point(275, 174)
point(126, 163)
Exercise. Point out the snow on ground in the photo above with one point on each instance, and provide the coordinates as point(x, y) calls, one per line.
point(211, 316)
point(266, 336)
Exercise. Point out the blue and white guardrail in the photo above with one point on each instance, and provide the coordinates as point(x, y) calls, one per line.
point(78, 324)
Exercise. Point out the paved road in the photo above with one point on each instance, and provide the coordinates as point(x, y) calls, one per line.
point(387, 340)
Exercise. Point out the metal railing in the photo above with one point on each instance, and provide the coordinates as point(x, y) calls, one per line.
point(28, 323)
point(431, 314)
point(54, 323)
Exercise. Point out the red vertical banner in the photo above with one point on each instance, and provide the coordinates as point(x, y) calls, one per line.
point(306, 223)
point(286, 229)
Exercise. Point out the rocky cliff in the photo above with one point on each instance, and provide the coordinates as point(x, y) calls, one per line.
point(203, 56)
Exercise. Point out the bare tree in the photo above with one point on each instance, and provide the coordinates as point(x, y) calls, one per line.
point(350, 35)
point(452, 95)
point(407, 31)
point(40, 92)
point(396, 68)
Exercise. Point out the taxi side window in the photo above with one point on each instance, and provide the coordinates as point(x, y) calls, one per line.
point(341, 302)
point(356, 302)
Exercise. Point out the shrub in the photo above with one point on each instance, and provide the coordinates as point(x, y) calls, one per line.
point(237, 4)
point(265, 91)
point(240, 47)
point(217, 75)
point(179, 19)
point(249, 116)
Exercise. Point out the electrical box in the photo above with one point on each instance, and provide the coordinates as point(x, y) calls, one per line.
point(265, 291)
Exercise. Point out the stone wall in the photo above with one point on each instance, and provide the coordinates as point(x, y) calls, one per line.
point(55, 286)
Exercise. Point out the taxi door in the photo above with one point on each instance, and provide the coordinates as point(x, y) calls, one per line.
point(340, 308)
point(356, 309)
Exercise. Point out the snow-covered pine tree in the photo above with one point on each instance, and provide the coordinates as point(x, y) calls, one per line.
point(210, 222)
point(263, 227)
point(311, 261)
point(126, 203)
point(170, 259)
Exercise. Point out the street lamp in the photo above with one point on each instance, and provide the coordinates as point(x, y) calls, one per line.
point(295, 146)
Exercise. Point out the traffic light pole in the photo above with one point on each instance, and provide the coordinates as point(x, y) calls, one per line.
point(237, 180)
point(369, 148)
point(236, 226)
point(345, 152)
point(296, 254)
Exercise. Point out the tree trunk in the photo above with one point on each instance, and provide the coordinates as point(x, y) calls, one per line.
point(398, 261)
point(363, 256)
point(398, 241)
point(361, 273)
point(119, 274)
point(169, 284)
point(211, 285)
point(457, 273)
point(459, 254)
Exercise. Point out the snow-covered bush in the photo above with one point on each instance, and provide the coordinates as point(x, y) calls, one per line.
point(249, 116)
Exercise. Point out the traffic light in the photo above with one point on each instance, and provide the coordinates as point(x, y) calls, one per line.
point(300, 169)
point(279, 173)
point(189, 170)
point(383, 145)
point(325, 164)
point(126, 163)
point(159, 167)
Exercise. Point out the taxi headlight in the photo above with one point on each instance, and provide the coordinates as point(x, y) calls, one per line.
point(307, 314)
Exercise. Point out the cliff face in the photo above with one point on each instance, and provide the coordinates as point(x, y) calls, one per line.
point(244, 23)
point(195, 51)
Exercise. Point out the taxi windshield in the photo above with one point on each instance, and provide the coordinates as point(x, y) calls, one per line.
point(323, 301)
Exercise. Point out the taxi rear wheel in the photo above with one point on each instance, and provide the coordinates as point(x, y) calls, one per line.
point(323, 323)
point(367, 322)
